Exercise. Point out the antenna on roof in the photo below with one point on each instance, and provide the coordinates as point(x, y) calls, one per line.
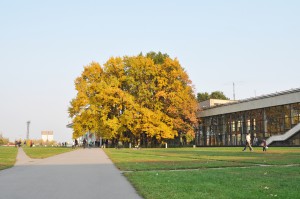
point(233, 91)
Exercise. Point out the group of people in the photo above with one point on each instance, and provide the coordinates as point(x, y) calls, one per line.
point(86, 143)
point(75, 143)
point(248, 143)
point(19, 143)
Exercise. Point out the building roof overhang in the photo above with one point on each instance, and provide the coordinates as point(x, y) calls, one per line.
point(275, 99)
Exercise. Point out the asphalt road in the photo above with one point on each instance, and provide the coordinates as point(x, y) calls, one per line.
point(83, 173)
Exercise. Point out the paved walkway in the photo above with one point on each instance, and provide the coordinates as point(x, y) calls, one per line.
point(83, 173)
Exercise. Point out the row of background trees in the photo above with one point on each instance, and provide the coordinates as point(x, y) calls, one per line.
point(3, 140)
point(144, 100)
point(213, 95)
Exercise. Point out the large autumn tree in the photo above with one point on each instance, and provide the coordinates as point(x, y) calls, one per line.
point(148, 97)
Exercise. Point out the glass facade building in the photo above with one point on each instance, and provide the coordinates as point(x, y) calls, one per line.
point(262, 117)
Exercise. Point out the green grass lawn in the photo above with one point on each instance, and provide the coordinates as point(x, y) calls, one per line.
point(211, 172)
point(7, 157)
point(45, 152)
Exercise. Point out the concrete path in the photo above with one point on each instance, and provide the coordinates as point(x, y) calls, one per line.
point(83, 173)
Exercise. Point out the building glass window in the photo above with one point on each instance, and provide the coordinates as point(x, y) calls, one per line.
point(287, 117)
point(295, 113)
point(248, 126)
point(274, 120)
point(233, 126)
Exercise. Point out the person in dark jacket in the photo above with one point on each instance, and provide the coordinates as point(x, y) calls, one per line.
point(264, 145)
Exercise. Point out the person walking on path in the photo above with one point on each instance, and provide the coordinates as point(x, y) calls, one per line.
point(76, 143)
point(248, 142)
point(264, 145)
point(84, 143)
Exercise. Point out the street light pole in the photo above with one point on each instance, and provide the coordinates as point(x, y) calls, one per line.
point(27, 136)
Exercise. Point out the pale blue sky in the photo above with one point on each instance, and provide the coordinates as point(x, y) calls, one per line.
point(44, 46)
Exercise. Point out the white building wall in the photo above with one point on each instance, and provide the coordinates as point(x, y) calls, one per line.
point(47, 136)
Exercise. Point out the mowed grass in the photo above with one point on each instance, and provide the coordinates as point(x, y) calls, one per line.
point(190, 158)
point(45, 152)
point(256, 182)
point(7, 157)
point(211, 172)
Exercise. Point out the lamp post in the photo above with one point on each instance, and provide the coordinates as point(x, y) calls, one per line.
point(27, 136)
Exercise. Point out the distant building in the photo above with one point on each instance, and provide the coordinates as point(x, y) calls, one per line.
point(47, 136)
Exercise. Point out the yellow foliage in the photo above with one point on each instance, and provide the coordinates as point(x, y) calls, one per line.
point(132, 96)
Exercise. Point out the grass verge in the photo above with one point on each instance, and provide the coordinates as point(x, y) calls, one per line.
point(7, 157)
point(257, 182)
point(45, 152)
